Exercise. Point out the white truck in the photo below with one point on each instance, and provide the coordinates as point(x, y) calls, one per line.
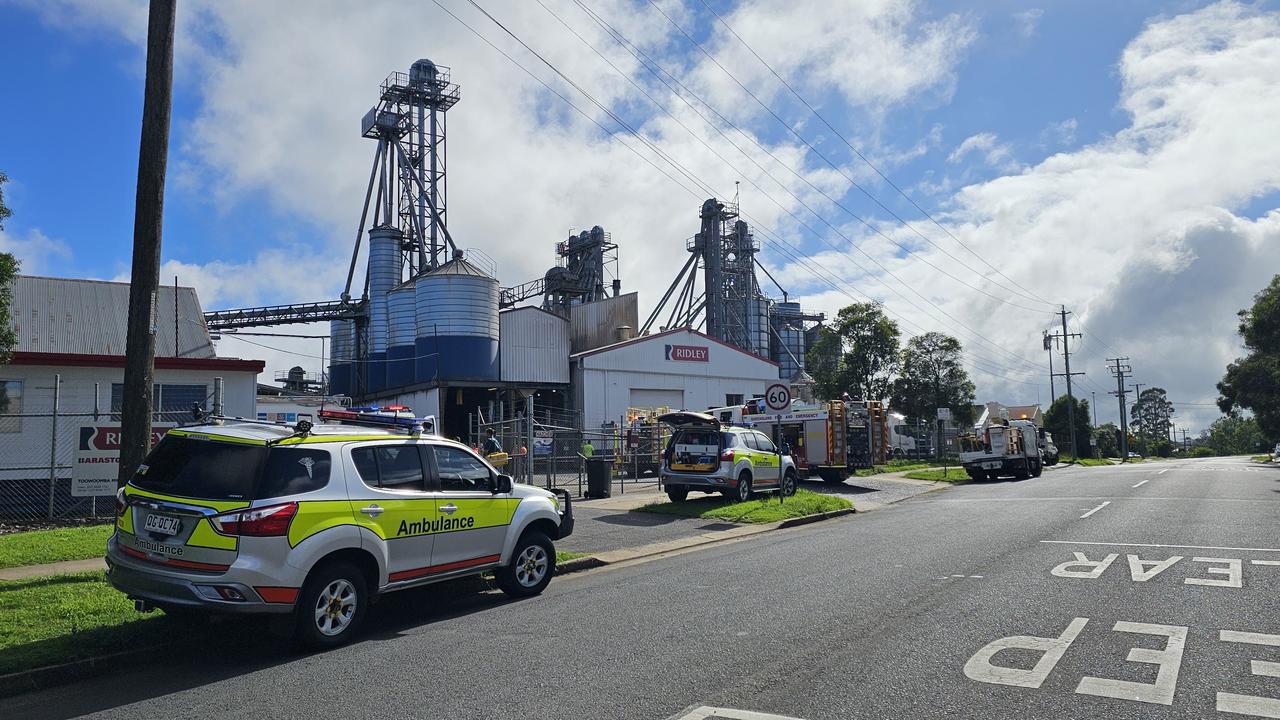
point(1002, 447)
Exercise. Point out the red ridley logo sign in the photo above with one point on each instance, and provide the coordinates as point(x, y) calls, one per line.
point(688, 353)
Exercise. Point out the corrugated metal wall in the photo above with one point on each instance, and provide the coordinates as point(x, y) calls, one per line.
point(595, 324)
point(534, 346)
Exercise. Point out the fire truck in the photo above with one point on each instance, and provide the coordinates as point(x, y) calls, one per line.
point(829, 440)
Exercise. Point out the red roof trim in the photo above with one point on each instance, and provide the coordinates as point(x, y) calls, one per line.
point(117, 361)
point(672, 331)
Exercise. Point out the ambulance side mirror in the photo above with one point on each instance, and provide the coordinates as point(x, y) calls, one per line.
point(502, 484)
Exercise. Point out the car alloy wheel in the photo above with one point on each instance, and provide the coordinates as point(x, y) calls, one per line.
point(531, 566)
point(335, 607)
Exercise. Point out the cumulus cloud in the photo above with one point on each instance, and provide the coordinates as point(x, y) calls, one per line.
point(38, 253)
point(1027, 21)
point(1060, 133)
point(1137, 233)
point(988, 147)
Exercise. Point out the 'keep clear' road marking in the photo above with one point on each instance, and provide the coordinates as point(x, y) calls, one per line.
point(1144, 482)
point(984, 668)
point(706, 712)
point(1095, 510)
point(1154, 545)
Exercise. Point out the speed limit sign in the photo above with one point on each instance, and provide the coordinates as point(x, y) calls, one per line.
point(777, 397)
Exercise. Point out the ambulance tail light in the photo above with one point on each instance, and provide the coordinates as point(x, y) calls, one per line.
point(726, 456)
point(121, 505)
point(271, 521)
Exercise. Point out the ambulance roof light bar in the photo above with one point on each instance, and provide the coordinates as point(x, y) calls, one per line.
point(391, 416)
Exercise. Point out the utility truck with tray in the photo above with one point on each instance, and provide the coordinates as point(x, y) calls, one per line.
point(1002, 447)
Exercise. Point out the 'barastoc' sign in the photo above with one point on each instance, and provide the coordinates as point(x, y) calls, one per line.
point(689, 353)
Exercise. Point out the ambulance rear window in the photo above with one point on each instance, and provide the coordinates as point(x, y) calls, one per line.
point(205, 469)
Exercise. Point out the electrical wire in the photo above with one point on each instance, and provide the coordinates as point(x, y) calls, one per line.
point(666, 157)
point(1026, 292)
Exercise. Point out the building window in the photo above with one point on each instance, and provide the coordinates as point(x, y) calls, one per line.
point(732, 399)
point(172, 402)
point(10, 406)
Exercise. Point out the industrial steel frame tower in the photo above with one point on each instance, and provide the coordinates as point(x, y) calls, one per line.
point(409, 166)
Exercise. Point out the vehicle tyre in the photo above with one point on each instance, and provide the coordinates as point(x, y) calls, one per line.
point(533, 562)
point(677, 493)
point(331, 605)
point(1037, 469)
point(789, 483)
point(976, 475)
point(742, 491)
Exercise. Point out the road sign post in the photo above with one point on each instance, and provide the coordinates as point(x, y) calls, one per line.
point(777, 397)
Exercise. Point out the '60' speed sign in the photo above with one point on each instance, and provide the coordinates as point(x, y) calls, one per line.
point(777, 397)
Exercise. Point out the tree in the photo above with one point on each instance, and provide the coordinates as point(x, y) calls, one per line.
point(858, 354)
point(1056, 422)
point(8, 271)
point(932, 377)
point(1253, 381)
point(1151, 417)
point(1108, 436)
point(1233, 435)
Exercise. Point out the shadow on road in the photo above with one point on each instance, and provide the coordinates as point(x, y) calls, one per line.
point(226, 648)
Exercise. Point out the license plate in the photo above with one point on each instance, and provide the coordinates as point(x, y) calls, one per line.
point(991, 465)
point(162, 524)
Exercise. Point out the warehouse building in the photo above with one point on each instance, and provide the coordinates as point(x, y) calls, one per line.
point(680, 369)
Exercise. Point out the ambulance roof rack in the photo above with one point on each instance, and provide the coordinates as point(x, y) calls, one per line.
point(394, 417)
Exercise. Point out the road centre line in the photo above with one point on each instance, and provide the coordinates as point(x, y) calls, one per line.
point(1144, 482)
point(1155, 545)
point(1095, 510)
point(1163, 471)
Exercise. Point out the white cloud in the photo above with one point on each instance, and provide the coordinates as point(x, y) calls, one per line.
point(1027, 21)
point(1060, 133)
point(1135, 233)
point(38, 253)
point(993, 152)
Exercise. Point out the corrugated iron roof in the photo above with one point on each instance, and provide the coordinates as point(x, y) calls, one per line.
point(90, 317)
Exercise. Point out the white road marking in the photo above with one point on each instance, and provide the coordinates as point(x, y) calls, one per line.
point(1234, 572)
point(1095, 510)
point(1144, 482)
point(1169, 659)
point(1154, 545)
point(1095, 567)
point(976, 577)
point(980, 668)
point(1143, 570)
point(1265, 562)
point(707, 712)
point(1163, 471)
point(1251, 704)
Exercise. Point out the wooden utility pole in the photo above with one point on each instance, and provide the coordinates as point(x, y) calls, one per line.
point(148, 220)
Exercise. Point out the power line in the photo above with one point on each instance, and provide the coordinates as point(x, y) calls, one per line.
point(632, 131)
point(1026, 292)
point(645, 61)
point(849, 179)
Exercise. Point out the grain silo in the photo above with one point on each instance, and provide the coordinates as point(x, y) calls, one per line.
point(457, 318)
point(384, 274)
point(401, 331)
point(342, 353)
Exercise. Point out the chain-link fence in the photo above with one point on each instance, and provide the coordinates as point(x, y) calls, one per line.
point(47, 429)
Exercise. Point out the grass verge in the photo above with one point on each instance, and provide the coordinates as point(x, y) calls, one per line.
point(562, 555)
point(765, 509)
point(60, 619)
point(1261, 458)
point(45, 546)
point(952, 474)
point(1093, 462)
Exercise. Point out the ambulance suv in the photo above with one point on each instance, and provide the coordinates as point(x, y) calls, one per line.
point(704, 454)
point(316, 521)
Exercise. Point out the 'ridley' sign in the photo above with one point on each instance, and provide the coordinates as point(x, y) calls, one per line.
point(688, 353)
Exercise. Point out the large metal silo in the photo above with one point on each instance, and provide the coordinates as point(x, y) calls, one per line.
point(457, 313)
point(384, 274)
point(401, 332)
point(342, 349)
point(758, 333)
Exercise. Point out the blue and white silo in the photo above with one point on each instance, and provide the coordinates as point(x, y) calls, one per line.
point(457, 315)
point(401, 333)
point(384, 274)
point(342, 349)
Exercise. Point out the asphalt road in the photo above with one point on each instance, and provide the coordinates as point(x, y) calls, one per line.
point(876, 616)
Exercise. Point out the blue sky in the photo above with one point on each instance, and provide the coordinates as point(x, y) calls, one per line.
point(1016, 113)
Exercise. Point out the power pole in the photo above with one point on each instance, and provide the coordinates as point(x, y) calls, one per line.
point(1137, 422)
point(1094, 403)
point(1120, 372)
point(1048, 346)
point(1184, 441)
point(1065, 337)
point(148, 220)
